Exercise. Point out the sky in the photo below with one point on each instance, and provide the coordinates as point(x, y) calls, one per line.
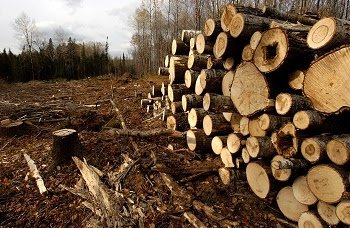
point(84, 20)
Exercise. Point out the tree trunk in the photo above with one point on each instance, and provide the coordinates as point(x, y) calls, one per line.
point(177, 69)
point(225, 46)
point(328, 182)
point(326, 87)
point(291, 17)
point(198, 140)
point(235, 142)
point(196, 116)
point(66, 144)
point(212, 27)
point(197, 62)
point(191, 78)
point(214, 63)
point(178, 47)
point(302, 192)
point(177, 122)
point(289, 104)
point(268, 122)
point(176, 91)
point(338, 149)
point(229, 11)
point(204, 44)
point(218, 143)
point(164, 88)
point(216, 124)
point(260, 147)
point(186, 35)
point(245, 25)
point(217, 103)
point(163, 71)
point(288, 205)
point(211, 80)
point(176, 107)
point(249, 90)
point(156, 91)
point(314, 149)
point(190, 101)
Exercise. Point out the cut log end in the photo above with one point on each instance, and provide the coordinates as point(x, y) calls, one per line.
point(311, 150)
point(234, 142)
point(217, 144)
point(228, 13)
point(279, 174)
point(191, 140)
point(225, 175)
point(258, 179)
point(296, 80)
point(245, 155)
point(343, 211)
point(208, 125)
point(327, 213)
point(321, 33)
point(229, 63)
point(226, 158)
point(310, 219)
point(255, 39)
point(237, 25)
point(338, 150)
point(302, 191)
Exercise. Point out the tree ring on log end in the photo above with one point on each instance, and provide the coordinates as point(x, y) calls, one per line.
point(302, 191)
point(338, 152)
point(258, 179)
point(343, 211)
point(327, 213)
point(237, 25)
point(321, 33)
point(311, 150)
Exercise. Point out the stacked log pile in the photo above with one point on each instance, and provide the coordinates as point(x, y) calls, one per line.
point(269, 92)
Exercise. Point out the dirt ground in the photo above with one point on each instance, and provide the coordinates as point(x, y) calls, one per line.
point(21, 204)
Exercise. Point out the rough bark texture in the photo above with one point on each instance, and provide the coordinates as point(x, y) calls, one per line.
point(66, 144)
point(218, 103)
point(198, 140)
point(190, 101)
point(216, 124)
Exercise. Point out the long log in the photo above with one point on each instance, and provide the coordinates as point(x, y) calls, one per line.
point(217, 103)
point(289, 104)
point(198, 140)
point(178, 47)
point(186, 35)
point(176, 107)
point(218, 143)
point(268, 122)
point(163, 71)
point(244, 25)
point(216, 124)
point(214, 63)
point(325, 81)
point(235, 142)
point(204, 44)
point(291, 17)
point(260, 147)
point(177, 122)
point(197, 62)
point(191, 78)
point(211, 80)
point(196, 116)
point(177, 69)
point(225, 46)
point(212, 27)
point(190, 101)
point(249, 90)
point(175, 91)
point(156, 132)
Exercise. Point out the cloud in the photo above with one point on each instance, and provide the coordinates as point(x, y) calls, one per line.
point(73, 5)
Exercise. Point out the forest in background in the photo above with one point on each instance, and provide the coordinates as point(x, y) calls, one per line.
point(155, 23)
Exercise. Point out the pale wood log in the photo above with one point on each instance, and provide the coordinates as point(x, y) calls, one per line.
point(191, 78)
point(260, 147)
point(247, 53)
point(296, 80)
point(338, 149)
point(310, 219)
point(302, 191)
point(176, 107)
point(243, 126)
point(244, 25)
point(217, 103)
point(245, 155)
point(197, 62)
point(196, 116)
point(214, 63)
point(235, 142)
point(218, 143)
point(288, 205)
point(327, 213)
point(227, 116)
point(204, 44)
point(249, 90)
point(342, 211)
point(198, 140)
point(328, 182)
point(235, 122)
point(255, 39)
point(225, 46)
point(291, 17)
point(226, 158)
point(254, 127)
point(326, 87)
point(329, 33)
point(175, 91)
point(280, 174)
point(215, 124)
point(198, 89)
point(177, 69)
point(211, 80)
point(177, 122)
point(164, 71)
point(314, 149)
point(260, 179)
point(34, 172)
point(178, 47)
point(159, 132)
point(229, 11)
point(227, 83)
point(186, 35)
point(268, 122)
point(288, 104)
point(190, 101)
point(229, 175)
point(229, 63)
point(212, 27)
point(66, 144)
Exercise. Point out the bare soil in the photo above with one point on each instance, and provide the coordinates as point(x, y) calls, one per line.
point(21, 204)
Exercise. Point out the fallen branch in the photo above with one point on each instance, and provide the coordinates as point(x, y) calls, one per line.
point(146, 133)
point(34, 172)
point(191, 218)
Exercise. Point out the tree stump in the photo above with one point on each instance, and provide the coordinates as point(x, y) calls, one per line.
point(65, 145)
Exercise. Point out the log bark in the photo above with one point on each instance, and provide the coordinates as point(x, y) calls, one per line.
point(216, 124)
point(177, 69)
point(235, 122)
point(176, 91)
point(244, 25)
point(212, 27)
point(204, 44)
point(291, 27)
point(192, 44)
point(328, 182)
point(66, 144)
point(164, 88)
point(227, 83)
point(326, 87)
point(190, 101)
point(296, 80)
point(229, 63)
point(178, 47)
point(327, 213)
point(217, 103)
point(249, 90)
point(289, 205)
point(218, 143)
point(289, 104)
point(197, 62)
point(198, 140)
point(268, 122)
point(338, 149)
point(164, 71)
point(226, 158)
point(260, 179)
point(255, 39)
point(177, 122)
point(260, 147)
point(166, 113)
point(329, 33)
point(214, 63)
point(302, 192)
point(235, 142)
point(186, 35)
point(211, 80)
point(291, 17)
point(229, 11)
point(191, 78)
point(196, 116)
